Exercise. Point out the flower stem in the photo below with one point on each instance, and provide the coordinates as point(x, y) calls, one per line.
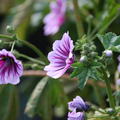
point(34, 48)
point(38, 52)
point(109, 92)
point(99, 97)
point(29, 58)
point(78, 19)
point(6, 37)
point(13, 44)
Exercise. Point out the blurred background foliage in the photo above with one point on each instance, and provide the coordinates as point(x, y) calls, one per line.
point(43, 97)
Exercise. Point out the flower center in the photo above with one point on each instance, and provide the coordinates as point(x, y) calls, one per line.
point(69, 61)
point(8, 60)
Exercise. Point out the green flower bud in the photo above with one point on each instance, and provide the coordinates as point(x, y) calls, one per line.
point(110, 111)
point(83, 59)
point(108, 53)
point(10, 29)
point(93, 54)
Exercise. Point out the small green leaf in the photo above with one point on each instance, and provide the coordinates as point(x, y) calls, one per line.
point(83, 77)
point(77, 68)
point(84, 72)
point(110, 41)
point(77, 64)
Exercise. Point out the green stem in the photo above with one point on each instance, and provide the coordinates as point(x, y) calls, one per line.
point(109, 92)
point(29, 58)
point(99, 97)
point(78, 19)
point(13, 44)
point(34, 48)
point(38, 52)
point(6, 37)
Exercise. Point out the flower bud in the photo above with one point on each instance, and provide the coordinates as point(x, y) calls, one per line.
point(118, 58)
point(110, 111)
point(118, 82)
point(78, 103)
point(108, 53)
point(10, 29)
point(93, 54)
point(118, 68)
point(83, 59)
point(76, 115)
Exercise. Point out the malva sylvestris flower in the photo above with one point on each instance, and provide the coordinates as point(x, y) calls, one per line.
point(78, 103)
point(76, 115)
point(10, 68)
point(55, 18)
point(61, 57)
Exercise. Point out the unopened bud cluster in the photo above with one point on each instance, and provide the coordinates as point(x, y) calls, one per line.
point(88, 52)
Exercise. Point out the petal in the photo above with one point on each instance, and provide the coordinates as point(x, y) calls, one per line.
point(51, 29)
point(53, 67)
point(78, 103)
point(57, 47)
point(55, 58)
point(67, 42)
point(76, 115)
point(10, 72)
point(56, 74)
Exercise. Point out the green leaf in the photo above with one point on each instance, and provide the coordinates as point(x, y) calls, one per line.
point(84, 72)
point(53, 95)
point(48, 93)
point(112, 14)
point(95, 74)
point(110, 41)
point(83, 77)
point(33, 101)
point(9, 103)
point(78, 66)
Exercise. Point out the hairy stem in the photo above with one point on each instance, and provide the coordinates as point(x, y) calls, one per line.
point(97, 91)
point(38, 52)
point(29, 58)
point(109, 92)
point(34, 48)
point(5, 37)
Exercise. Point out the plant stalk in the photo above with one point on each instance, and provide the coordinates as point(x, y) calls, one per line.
point(78, 19)
point(34, 48)
point(109, 92)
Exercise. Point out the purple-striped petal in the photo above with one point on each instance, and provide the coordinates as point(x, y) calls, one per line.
point(10, 68)
point(78, 103)
point(76, 115)
point(61, 57)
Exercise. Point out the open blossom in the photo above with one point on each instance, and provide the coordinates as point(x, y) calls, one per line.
point(76, 115)
point(78, 103)
point(61, 57)
point(55, 18)
point(10, 68)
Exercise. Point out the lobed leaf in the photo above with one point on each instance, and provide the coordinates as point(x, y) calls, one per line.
point(110, 41)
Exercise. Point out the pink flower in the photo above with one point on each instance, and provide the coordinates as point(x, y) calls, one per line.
point(61, 57)
point(10, 68)
point(55, 18)
point(78, 103)
point(118, 82)
point(76, 115)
